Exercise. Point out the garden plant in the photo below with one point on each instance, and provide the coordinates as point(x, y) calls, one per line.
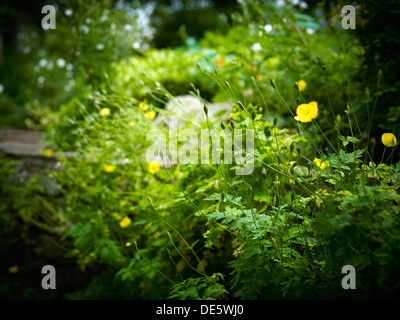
point(322, 192)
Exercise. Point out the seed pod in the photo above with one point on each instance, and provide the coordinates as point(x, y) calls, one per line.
point(223, 126)
point(232, 124)
point(267, 132)
point(298, 149)
point(206, 110)
point(309, 166)
point(292, 147)
point(338, 119)
point(241, 105)
point(228, 84)
point(272, 82)
point(275, 121)
point(326, 151)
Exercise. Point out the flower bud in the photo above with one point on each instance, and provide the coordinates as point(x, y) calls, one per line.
point(292, 147)
point(206, 110)
point(326, 151)
point(241, 105)
point(223, 126)
point(232, 124)
point(296, 85)
point(338, 120)
point(272, 82)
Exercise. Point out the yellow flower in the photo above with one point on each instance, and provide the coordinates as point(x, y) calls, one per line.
point(132, 123)
point(321, 165)
point(125, 222)
point(105, 112)
point(389, 139)
point(109, 167)
point(150, 115)
point(307, 112)
point(302, 85)
point(13, 269)
point(48, 153)
point(143, 106)
point(154, 166)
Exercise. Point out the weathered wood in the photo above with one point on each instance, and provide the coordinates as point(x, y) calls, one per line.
point(22, 143)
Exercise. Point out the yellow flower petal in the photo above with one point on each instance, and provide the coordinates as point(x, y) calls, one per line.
point(150, 115)
point(125, 222)
point(109, 167)
point(105, 112)
point(302, 85)
point(389, 139)
point(144, 107)
point(306, 112)
point(132, 123)
point(320, 164)
point(154, 166)
point(13, 269)
point(48, 153)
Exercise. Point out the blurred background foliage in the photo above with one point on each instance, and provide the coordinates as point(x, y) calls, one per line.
point(57, 80)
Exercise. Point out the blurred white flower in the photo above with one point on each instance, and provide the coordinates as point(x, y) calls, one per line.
point(26, 50)
point(268, 28)
point(99, 46)
point(69, 66)
point(68, 12)
point(303, 5)
point(310, 30)
point(84, 28)
point(40, 81)
point(60, 62)
point(42, 62)
point(280, 3)
point(1, 88)
point(136, 45)
point(88, 20)
point(256, 47)
point(128, 27)
point(50, 65)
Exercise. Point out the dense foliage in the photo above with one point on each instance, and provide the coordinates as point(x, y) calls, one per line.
point(317, 199)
